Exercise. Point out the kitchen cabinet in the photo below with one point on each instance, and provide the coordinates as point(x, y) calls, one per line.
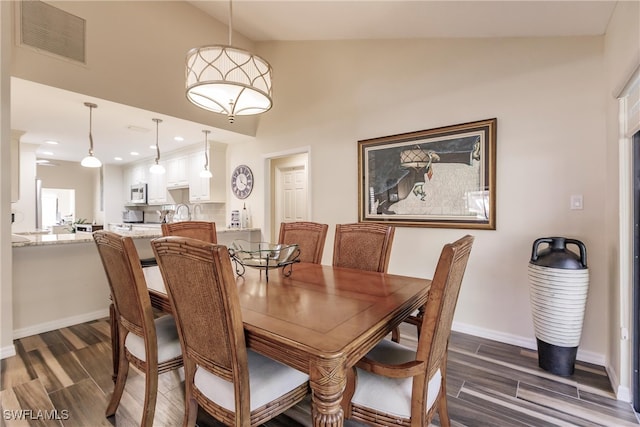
point(139, 174)
point(157, 187)
point(212, 190)
point(177, 172)
point(134, 174)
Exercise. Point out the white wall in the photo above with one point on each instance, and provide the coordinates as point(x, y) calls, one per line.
point(114, 196)
point(547, 97)
point(6, 294)
point(622, 57)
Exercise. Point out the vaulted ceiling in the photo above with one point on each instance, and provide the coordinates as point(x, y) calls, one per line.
point(42, 112)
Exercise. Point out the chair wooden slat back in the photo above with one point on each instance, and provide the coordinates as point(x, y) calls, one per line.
point(137, 334)
point(363, 246)
point(201, 230)
point(441, 305)
point(217, 364)
point(126, 282)
point(309, 236)
point(201, 286)
point(419, 376)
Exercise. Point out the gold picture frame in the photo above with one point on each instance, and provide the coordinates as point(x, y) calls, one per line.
point(443, 177)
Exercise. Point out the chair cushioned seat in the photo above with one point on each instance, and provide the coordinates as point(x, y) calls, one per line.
point(168, 341)
point(391, 395)
point(268, 380)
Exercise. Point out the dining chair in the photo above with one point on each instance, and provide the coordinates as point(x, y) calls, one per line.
point(309, 236)
point(397, 385)
point(232, 383)
point(201, 230)
point(151, 345)
point(363, 246)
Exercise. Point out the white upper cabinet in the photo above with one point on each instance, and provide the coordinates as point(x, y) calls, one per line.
point(177, 173)
point(183, 171)
point(210, 190)
point(157, 186)
point(138, 174)
point(135, 174)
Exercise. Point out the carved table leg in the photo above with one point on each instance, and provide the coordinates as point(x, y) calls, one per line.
point(328, 380)
point(115, 340)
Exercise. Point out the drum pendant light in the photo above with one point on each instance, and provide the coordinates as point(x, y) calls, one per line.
point(206, 173)
point(157, 168)
point(228, 80)
point(90, 161)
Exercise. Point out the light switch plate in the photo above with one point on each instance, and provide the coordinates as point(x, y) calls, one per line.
point(576, 202)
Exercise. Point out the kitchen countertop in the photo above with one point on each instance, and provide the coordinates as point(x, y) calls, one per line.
point(81, 237)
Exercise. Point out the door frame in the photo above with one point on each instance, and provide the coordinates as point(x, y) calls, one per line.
point(269, 186)
point(624, 329)
point(635, 326)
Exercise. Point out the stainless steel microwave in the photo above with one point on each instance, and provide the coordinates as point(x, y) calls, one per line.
point(138, 194)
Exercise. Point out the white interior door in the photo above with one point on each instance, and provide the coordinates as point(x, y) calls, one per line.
point(289, 191)
point(294, 194)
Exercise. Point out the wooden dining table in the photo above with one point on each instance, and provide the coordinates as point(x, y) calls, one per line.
point(320, 320)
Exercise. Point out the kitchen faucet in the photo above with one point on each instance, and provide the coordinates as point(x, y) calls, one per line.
point(180, 205)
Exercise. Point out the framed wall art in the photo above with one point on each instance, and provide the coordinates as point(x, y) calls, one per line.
point(443, 177)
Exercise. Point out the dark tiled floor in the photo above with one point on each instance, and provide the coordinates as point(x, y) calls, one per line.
point(66, 374)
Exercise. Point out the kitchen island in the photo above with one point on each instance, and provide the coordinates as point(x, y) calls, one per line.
point(59, 280)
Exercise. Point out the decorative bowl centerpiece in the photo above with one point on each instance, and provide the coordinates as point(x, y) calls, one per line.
point(264, 256)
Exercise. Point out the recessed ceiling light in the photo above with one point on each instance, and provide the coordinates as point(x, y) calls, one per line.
point(47, 153)
point(52, 142)
point(178, 138)
point(117, 158)
point(42, 161)
point(134, 153)
point(153, 147)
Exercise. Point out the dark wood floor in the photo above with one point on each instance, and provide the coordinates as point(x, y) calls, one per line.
point(66, 374)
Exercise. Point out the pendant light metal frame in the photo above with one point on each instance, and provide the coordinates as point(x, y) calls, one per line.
point(157, 168)
point(228, 80)
point(90, 161)
point(206, 173)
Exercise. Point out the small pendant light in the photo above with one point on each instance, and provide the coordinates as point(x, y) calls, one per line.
point(157, 168)
point(90, 161)
point(206, 173)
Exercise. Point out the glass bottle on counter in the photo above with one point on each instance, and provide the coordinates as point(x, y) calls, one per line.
point(244, 218)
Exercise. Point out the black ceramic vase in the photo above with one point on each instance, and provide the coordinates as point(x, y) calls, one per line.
point(559, 281)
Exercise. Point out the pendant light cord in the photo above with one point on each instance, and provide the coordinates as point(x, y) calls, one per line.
point(157, 145)
point(90, 136)
point(230, 20)
point(206, 146)
point(91, 106)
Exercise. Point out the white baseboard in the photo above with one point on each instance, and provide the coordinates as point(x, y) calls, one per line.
point(7, 351)
point(622, 393)
point(60, 323)
point(526, 342)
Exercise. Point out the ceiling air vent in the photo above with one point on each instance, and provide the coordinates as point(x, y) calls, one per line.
point(53, 30)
